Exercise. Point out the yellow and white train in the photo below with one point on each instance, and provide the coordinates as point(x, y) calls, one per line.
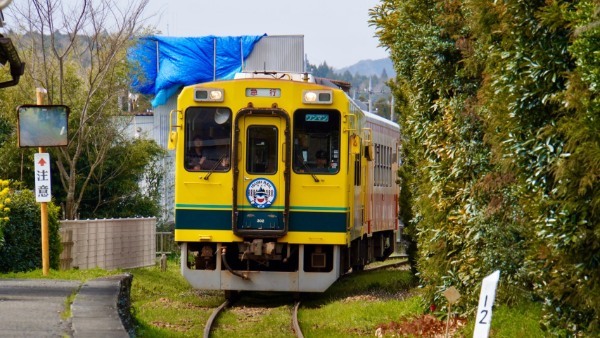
point(282, 183)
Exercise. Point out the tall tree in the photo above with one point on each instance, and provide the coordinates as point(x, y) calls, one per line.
point(77, 53)
point(128, 182)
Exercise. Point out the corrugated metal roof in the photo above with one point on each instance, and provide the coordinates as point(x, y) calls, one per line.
point(283, 53)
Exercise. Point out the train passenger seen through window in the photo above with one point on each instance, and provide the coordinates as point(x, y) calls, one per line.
point(316, 141)
point(208, 139)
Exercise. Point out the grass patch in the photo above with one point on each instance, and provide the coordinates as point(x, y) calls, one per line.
point(520, 320)
point(357, 303)
point(66, 314)
point(164, 305)
point(355, 316)
point(73, 274)
point(388, 283)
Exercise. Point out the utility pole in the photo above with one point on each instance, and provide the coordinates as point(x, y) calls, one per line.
point(370, 92)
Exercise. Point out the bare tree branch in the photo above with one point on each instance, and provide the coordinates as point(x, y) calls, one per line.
point(77, 54)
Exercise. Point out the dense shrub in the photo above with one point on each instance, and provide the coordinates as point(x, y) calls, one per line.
point(4, 210)
point(500, 111)
point(22, 249)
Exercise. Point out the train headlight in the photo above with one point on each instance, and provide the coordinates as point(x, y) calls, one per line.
point(310, 97)
point(216, 95)
point(209, 94)
point(317, 96)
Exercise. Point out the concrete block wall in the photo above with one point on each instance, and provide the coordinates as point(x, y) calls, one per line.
point(108, 243)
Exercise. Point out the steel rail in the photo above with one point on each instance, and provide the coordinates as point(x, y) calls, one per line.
point(212, 318)
point(388, 265)
point(295, 324)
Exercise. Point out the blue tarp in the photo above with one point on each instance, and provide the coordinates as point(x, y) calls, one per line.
point(163, 65)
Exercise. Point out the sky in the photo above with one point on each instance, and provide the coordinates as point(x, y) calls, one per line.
point(335, 31)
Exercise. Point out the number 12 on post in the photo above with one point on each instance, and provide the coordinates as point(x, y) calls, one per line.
point(486, 301)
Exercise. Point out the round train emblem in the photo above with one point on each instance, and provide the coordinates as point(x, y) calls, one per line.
point(261, 193)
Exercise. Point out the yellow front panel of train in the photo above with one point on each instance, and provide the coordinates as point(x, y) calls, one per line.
point(249, 163)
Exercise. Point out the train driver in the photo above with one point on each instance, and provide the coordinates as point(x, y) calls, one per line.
point(195, 157)
point(322, 162)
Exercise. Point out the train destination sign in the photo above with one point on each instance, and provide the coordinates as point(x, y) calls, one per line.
point(43, 125)
point(263, 92)
point(317, 118)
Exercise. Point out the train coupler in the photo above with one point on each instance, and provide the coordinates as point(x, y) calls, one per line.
point(259, 250)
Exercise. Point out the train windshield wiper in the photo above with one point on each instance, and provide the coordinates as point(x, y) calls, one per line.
point(315, 177)
point(308, 170)
point(212, 170)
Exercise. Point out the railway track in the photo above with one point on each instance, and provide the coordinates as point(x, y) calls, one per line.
point(211, 320)
point(232, 300)
point(400, 263)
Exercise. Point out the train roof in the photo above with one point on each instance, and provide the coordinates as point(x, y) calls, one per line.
point(300, 77)
point(381, 120)
point(307, 77)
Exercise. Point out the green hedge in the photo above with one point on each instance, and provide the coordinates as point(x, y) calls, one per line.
point(499, 106)
point(22, 248)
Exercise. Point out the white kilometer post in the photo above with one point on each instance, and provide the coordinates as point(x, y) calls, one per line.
point(486, 301)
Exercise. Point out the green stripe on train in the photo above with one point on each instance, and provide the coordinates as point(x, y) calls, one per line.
point(299, 221)
point(273, 207)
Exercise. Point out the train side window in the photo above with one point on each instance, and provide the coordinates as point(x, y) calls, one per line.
point(207, 139)
point(316, 139)
point(377, 173)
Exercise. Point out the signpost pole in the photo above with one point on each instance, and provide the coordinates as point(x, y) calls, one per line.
point(39, 93)
point(43, 126)
point(45, 250)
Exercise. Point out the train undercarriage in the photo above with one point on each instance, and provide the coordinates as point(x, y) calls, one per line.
point(266, 265)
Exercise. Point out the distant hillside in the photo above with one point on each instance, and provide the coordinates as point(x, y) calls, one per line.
point(370, 67)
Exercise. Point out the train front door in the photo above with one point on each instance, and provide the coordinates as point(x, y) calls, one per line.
point(261, 174)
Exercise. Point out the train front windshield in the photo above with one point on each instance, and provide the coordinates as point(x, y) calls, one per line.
point(316, 141)
point(208, 139)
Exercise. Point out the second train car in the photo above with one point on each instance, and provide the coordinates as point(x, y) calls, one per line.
point(282, 183)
